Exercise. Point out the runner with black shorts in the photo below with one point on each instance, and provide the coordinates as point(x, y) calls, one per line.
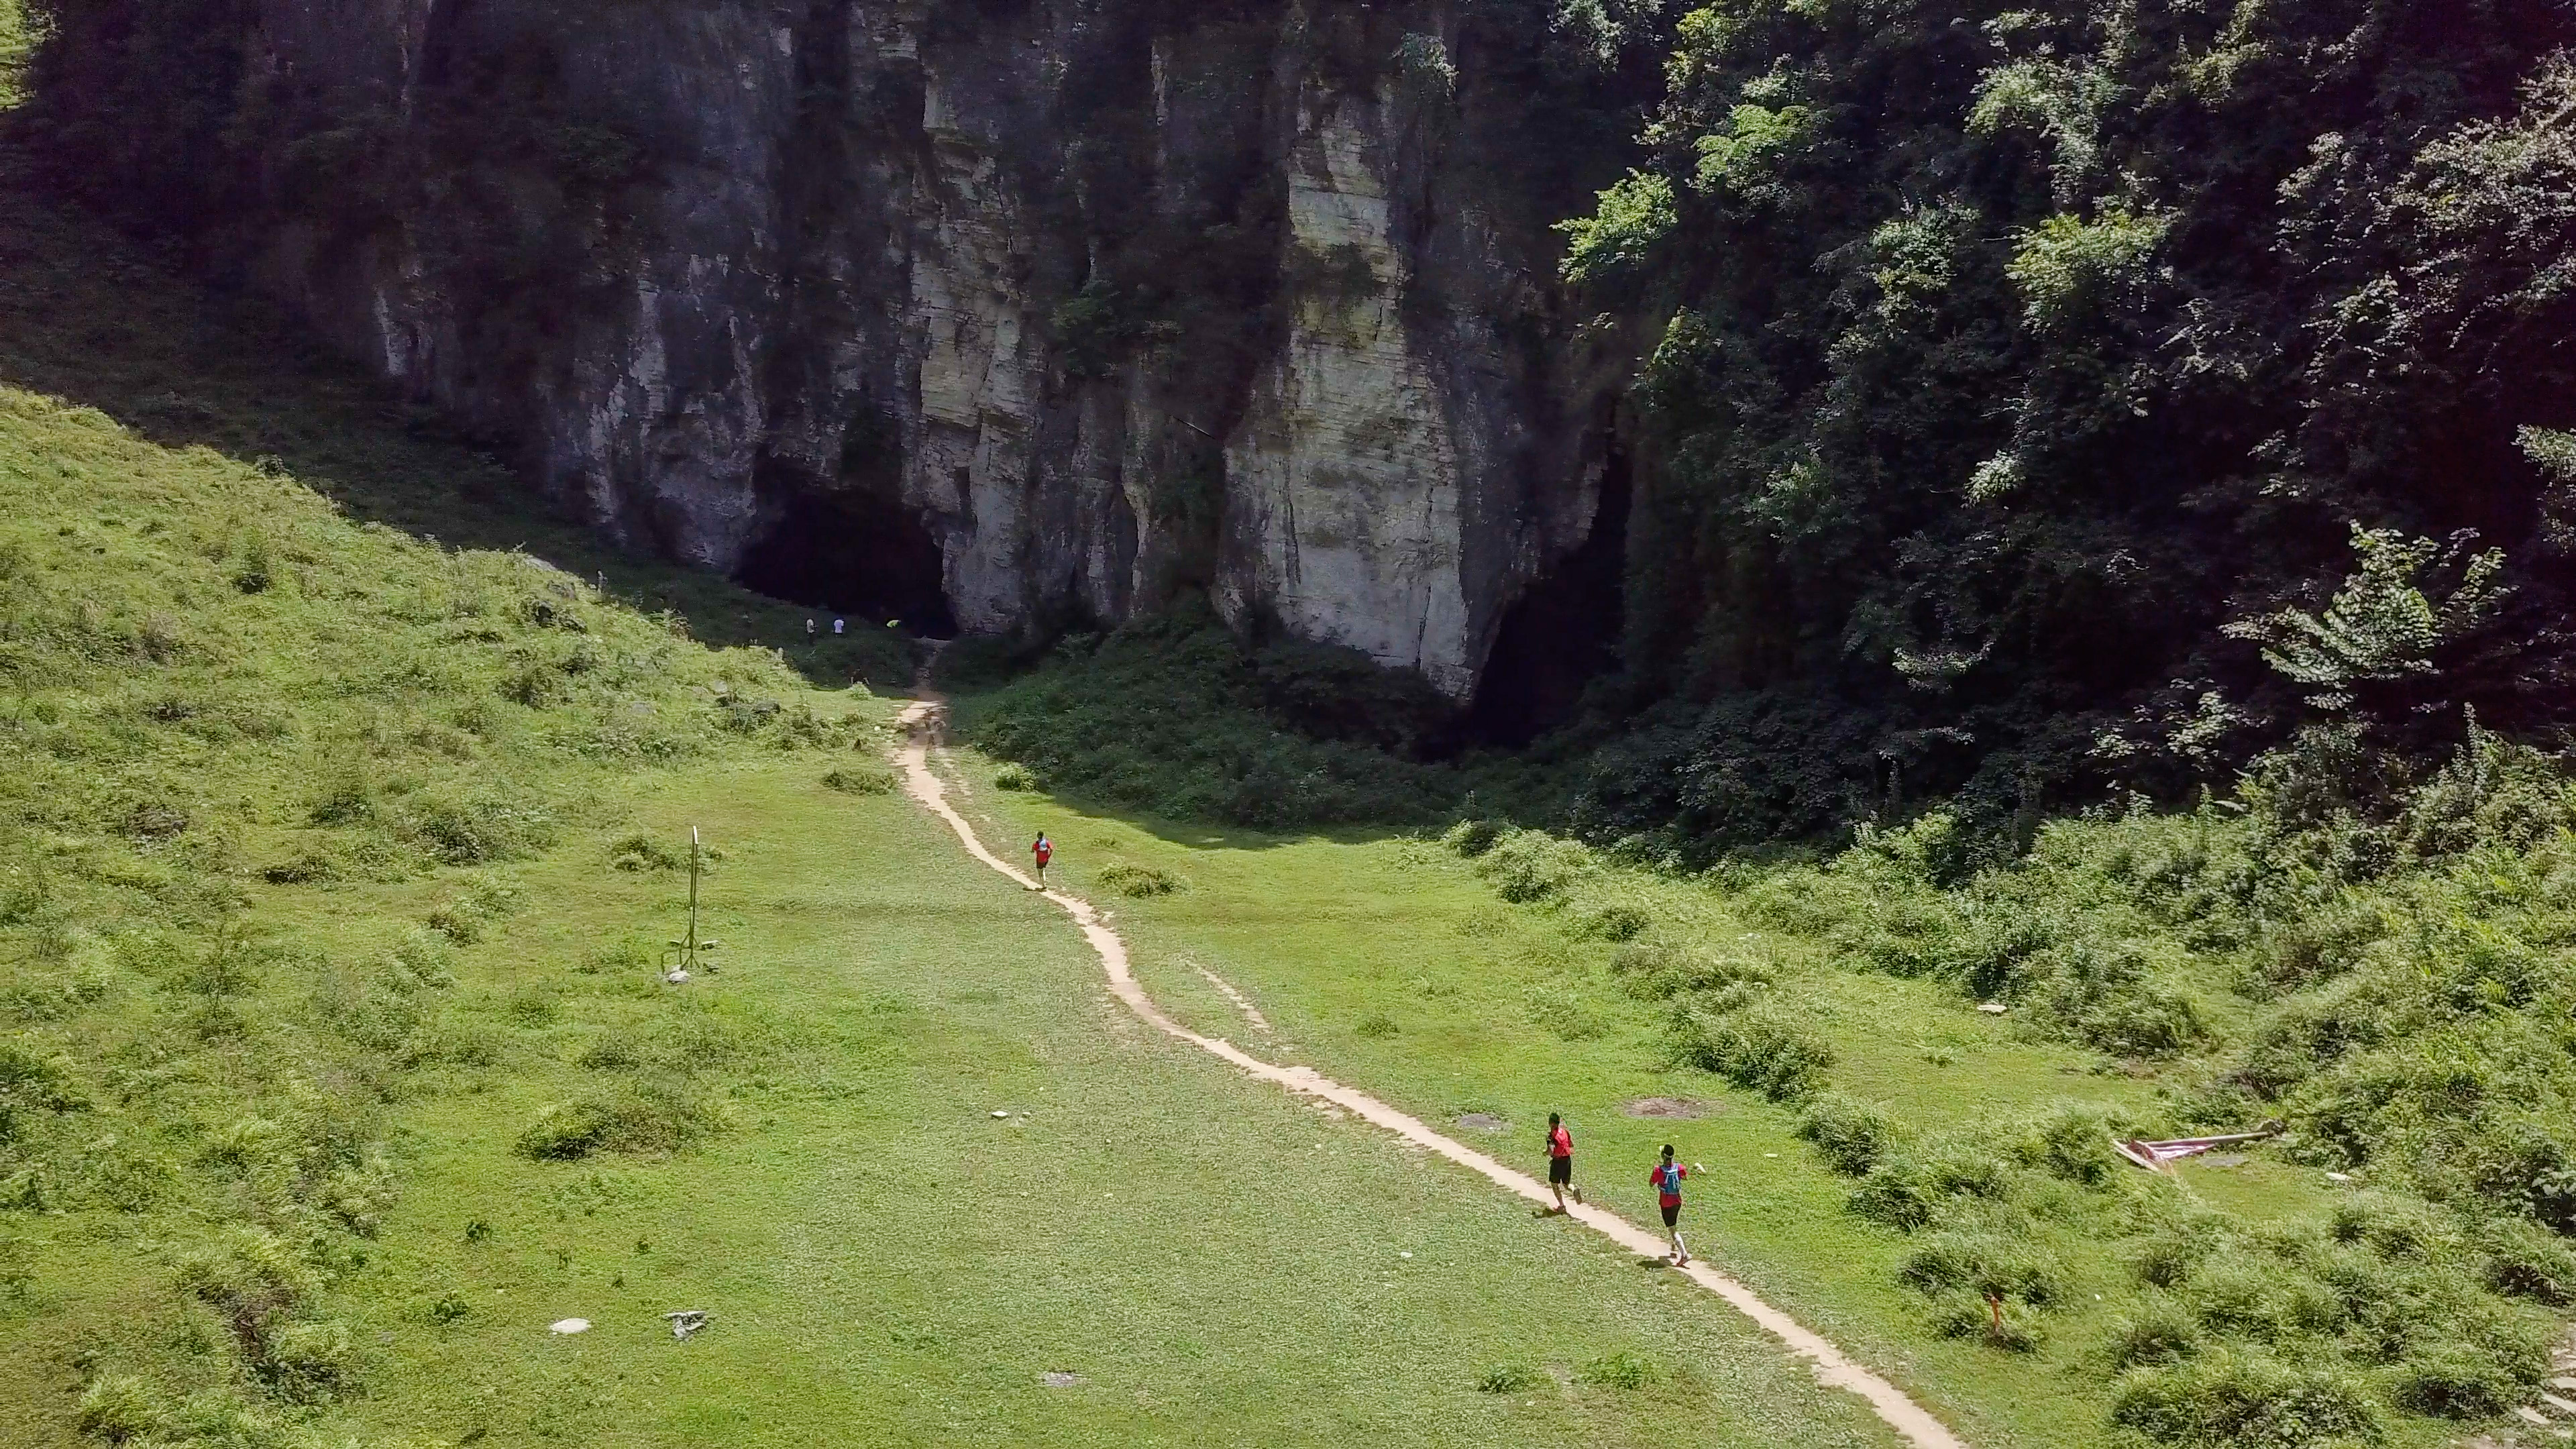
point(1667, 1180)
point(1560, 1161)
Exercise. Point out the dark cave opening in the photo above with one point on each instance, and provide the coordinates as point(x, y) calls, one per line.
point(854, 553)
point(1563, 634)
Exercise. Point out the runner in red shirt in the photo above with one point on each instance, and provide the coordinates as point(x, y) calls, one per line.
point(1667, 1180)
point(1560, 1161)
point(1042, 851)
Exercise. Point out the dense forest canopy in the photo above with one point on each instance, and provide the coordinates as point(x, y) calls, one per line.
point(2060, 397)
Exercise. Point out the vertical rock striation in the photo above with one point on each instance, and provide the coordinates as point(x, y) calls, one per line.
point(1031, 312)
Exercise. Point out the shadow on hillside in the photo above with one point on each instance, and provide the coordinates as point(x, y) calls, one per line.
point(88, 316)
point(1201, 834)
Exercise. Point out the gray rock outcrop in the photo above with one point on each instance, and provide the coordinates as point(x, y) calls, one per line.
point(1057, 306)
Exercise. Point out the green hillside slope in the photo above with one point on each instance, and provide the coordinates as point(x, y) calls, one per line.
point(336, 1064)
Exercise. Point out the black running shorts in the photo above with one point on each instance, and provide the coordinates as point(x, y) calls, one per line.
point(1672, 1214)
point(1560, 1169)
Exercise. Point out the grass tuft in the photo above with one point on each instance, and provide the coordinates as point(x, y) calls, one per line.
point(1625, 1371)
point(647, 1117)
point(861, 780)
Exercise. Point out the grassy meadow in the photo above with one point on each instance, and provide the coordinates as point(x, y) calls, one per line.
point(336, 863)
point(1402, 962)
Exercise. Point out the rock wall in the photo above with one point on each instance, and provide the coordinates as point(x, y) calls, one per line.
point(1112, 298)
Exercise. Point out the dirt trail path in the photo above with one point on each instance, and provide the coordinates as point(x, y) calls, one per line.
point(1909, 1419)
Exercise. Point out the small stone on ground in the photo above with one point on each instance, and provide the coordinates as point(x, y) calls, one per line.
point(1057, 1380)
point(1482, 1121)
point(570, 1325)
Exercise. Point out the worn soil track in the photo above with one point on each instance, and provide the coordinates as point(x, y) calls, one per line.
point(1910, 1420)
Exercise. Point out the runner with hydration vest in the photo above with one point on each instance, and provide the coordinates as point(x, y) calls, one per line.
point(1667, 1181)
point(1042, 850)
point(1560, 1161)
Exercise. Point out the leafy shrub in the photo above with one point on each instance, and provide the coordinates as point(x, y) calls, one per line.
point(457, 923)
point(17, 1266)
point(253, 1279)
point(348, 796)
point(873, 781)
point(1472, 838)
point(642, 852)
point(1014, 777)
point(1508, 1379)
point(1986, 1265)
point(1996, 1323)
point(1526, 866)
point(2235, 1398)
point(2167, 1259)
point(647, 1117)
point(1659, 971)
point(119, 1409)
point(1618, 923)
point(2152, 1336)
point(615, 1052)
point(2391, 1226)
point(1848, 1133)
point(2456, 1380)
point(310, 867)
point(2073, 1144)
point(1623, 1370)
point(2523, 1260)
point(2261, 1300)
point(1139, 881)
point(309, 1363)
point(1377, 1026)
point(31, 1083)
point(1910, 1186)
point(127, 1178)
point(2142, 1022)
point(1759, 1049)
point(474, 831)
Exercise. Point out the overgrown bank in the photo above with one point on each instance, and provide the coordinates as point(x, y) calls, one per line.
point(2389, 979)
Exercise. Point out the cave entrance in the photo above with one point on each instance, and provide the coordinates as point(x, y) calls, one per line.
point(1564, 633)
point(853, 553)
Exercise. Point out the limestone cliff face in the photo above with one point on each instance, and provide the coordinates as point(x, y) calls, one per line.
point(1058, 305)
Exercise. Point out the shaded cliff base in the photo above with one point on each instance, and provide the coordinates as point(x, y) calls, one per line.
point(87, 316)
point(853, 554)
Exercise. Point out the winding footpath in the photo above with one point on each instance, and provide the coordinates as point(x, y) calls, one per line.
point(1832, 1367)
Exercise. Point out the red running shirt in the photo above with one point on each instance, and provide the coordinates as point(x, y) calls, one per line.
point(1560, 1143)
point(1043, 851)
